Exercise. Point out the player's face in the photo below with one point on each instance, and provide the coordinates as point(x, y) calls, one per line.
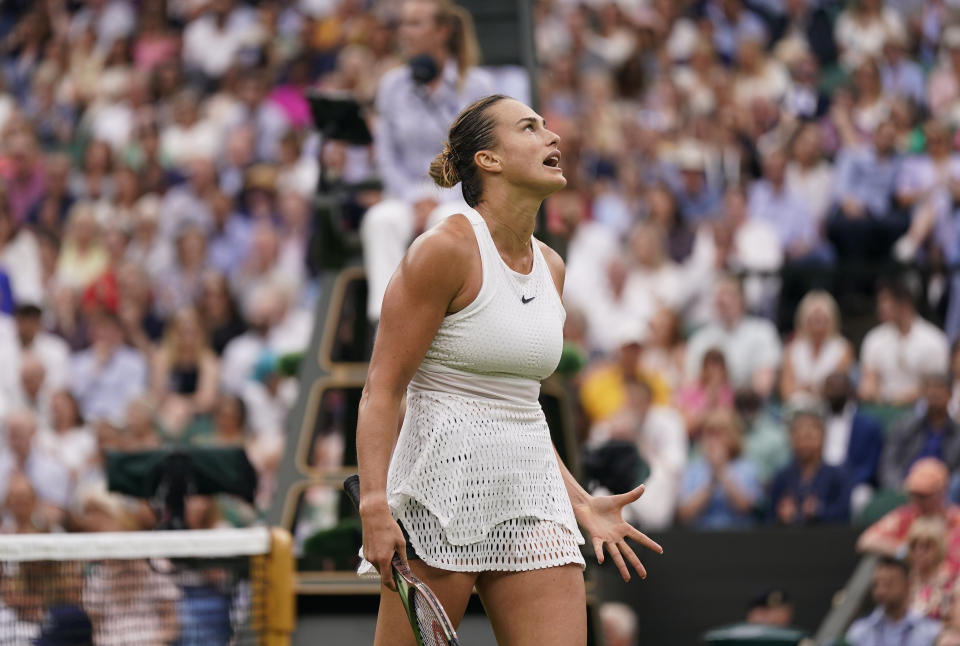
point(528, 151)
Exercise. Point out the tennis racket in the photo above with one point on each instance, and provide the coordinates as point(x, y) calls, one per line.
point(430, 623)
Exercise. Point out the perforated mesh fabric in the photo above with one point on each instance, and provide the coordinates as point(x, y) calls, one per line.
point(474, 477)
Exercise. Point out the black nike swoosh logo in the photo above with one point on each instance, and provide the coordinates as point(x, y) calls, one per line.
point(525, 300)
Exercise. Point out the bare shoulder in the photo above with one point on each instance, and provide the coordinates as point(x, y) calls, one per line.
point(445, 248)
point(555, 263)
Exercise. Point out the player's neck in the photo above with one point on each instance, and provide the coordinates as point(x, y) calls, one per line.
point(511, 220)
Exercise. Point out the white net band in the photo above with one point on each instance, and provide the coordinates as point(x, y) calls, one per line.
point(201, 543)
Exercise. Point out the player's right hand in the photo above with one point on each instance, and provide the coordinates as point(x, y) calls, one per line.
point(382, 539)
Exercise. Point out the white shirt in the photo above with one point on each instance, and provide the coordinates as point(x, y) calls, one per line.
point(836, 439)
point(901, 361)
point(213, 50)
point(751, 345)
point(73, 448)
point(809, 369)
point(49, 477)
point(662, 442)
point(815, 184)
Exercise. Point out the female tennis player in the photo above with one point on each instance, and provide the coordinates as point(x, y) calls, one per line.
point(472, 322)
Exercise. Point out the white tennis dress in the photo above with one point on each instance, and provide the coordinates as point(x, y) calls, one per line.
point(473, 477)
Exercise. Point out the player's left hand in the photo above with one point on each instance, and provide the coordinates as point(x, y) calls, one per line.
point(602, 517)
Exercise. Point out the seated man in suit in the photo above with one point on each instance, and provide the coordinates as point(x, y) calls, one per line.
point(853, 439)
point(930, 432)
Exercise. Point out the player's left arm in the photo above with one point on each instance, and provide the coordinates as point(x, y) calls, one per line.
point(601, 516)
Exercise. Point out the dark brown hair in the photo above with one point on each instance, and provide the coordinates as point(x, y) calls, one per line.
point(471, 132)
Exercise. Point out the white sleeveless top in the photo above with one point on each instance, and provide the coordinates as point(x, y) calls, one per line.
point(811, 370)
point(474, 478)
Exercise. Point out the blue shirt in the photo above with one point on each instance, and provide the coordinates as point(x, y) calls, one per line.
point(787, 211)
point(906, 79)
point(830, 486)
point(866, 178)
point(228, 248)
point(720, 512)
point(103, 392)
point(413, 122)
point(932, 442)
point(877, 630)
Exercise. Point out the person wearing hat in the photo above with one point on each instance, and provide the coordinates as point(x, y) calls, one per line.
point(926, 484)
point(65, 625)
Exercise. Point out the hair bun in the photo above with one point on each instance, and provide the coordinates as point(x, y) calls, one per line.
point(443, 168)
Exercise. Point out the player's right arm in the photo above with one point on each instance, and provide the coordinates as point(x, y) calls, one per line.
point(437, 276)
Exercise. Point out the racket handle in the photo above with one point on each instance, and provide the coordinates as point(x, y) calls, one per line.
point(352, 488)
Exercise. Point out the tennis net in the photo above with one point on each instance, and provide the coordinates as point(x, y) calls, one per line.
point(230, 587)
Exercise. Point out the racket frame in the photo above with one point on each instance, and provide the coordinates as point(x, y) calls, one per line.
point(407, 582)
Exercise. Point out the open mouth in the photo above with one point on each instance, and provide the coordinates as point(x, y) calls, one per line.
point(552, 160)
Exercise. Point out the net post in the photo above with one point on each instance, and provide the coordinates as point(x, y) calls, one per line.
point(280, 594)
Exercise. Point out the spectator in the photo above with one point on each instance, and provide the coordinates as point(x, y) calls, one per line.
point(720, 488)
point(923, 181)
point(20, 258)
point(862, 28)
point(927, 485)
point(660, 438)
point(107, 375)
point(415, 105)
point(712, 391)
point(897, 353)
point(932, 579)
point(852, 440)
point(735, 243)
point(750, 345)
point(767, 442)
point(807, 491)
point(808, 173)
point(929, 433)
point(892, 621)
point(790, 214)
point(67, 439)
point(185, 373)
point(218, 311)
point(50, 349)
point(817, 349)
point(49, 478)
point(901, 76)
point(20, 513)
point(665, 349)
point(652, 280)
point(83, 258)
point(863, 223)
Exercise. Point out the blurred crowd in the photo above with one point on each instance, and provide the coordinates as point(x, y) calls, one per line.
point(736, 169)
point(158, 164)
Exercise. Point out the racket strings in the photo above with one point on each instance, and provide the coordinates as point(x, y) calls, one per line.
point(431, 630)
